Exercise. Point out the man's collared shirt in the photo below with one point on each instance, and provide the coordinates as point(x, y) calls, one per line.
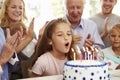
point(87, 27)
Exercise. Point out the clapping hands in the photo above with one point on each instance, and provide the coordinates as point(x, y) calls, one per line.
point(10, 45)
point(30, 32)
point(106, 29)
point(88, 42)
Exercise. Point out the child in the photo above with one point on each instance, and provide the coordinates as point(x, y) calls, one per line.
point(54, 49)
point(112, 54)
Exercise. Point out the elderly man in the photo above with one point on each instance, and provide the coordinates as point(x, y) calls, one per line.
point(106, 19)
point(85, 31)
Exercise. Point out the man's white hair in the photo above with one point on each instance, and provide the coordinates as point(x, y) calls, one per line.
point(65, 2)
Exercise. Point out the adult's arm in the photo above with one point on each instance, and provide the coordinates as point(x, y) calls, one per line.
point(9, 46)
point(27, 38)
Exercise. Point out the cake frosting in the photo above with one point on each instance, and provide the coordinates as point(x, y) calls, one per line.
point(85, 70)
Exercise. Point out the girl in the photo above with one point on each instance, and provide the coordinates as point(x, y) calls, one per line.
point(53, 50)
point(112, 54)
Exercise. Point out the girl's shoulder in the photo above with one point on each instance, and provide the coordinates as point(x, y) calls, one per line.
point(46, 55)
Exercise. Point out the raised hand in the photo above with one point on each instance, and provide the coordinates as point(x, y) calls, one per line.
point(106, 28)
point(30, 32)
point(42, 29)
point(88, 42)
point(9, 46)
point(27, 38)
point(77, 38)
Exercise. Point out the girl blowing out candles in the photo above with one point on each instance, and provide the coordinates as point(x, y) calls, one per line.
point(53, 50)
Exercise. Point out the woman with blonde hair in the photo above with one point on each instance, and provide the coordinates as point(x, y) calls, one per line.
point(13, 12)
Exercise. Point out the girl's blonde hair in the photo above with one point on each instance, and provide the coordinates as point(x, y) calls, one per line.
point(117, 27)
point(4, 18)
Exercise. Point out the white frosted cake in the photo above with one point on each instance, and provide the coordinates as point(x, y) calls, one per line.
point(86, 70)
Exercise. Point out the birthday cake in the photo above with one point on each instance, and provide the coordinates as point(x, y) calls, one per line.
point(85, 70)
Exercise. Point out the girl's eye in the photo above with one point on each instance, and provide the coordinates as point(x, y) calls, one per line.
point(59, 34)
point(13, 7)
point(119, 36)
point(69, 34)
point(20, 7)
point(112, 35)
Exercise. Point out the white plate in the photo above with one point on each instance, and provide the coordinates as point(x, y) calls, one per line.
point(115, 73)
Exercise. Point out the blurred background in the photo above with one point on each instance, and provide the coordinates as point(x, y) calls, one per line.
point(45, 10)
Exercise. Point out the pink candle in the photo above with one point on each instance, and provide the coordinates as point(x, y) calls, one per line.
point(96, 53)
point(79, 52)
point(81, 57)
point(92, 53)
point(85, 53)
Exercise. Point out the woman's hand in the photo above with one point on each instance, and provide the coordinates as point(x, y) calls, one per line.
point(9, 46)
point(30, 32)
point(27, 38)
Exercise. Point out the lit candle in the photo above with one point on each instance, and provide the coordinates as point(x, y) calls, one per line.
point(79, 52)
point(89, 54)
point(74, 55)
point(96, 53)
point(92, 53)
point(85, 52)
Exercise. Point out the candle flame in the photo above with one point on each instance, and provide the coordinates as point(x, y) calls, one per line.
point(96, 49)
point(92, 48)
point(83, 48)
point(72, 49)
point(87, 48)
point(78, 49)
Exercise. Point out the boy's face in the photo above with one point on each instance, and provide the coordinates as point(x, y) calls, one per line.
point(115, 37)
point(61, 38)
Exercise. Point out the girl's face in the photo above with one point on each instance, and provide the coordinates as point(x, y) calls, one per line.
point(115, 38)
point(61, 38)
point(15, 10)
